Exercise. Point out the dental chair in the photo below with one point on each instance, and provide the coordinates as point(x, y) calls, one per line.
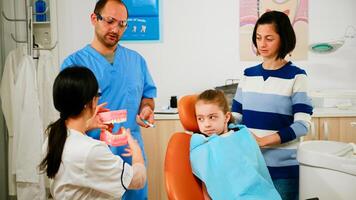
point(181, 184)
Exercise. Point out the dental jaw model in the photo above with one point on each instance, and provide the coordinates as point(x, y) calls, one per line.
point(111, 117)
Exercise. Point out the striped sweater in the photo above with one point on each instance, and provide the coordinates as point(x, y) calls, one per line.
point(270, 101)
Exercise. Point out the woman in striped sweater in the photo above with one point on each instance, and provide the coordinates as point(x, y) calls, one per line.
point(272, 101)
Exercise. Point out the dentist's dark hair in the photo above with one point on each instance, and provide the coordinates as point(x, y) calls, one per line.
point(284, 29)
point(101, 4)
point(73, 88)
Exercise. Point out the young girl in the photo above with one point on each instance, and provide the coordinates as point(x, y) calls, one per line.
point(81, 167)
point(272, 101)
point(228, 162)
point(212, 112)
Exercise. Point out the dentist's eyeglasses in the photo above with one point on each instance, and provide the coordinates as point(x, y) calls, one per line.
point(109, 21)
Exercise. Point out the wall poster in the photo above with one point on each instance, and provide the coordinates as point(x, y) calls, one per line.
point(250, 10)
point(143, 21)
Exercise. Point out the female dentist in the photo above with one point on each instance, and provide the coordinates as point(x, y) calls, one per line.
point(82, 167)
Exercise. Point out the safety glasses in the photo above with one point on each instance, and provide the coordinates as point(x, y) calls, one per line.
point(109, 21)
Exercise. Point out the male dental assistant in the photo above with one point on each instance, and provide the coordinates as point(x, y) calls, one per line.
point(123, 76)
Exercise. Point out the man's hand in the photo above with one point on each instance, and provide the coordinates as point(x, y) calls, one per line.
point(145, 114)
point(94, 121)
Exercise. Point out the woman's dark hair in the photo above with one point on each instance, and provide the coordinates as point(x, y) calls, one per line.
point(216, 97)
point(101, 4)
point(283, 28)
point(73, 88)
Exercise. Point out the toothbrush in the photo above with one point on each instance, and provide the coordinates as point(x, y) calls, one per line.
point(148, 123)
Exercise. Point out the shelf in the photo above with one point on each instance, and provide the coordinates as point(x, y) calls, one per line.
point(42, 23)
point(336, 93)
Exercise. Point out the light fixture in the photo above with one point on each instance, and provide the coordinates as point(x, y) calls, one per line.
point(326, 47)
point(331, 46)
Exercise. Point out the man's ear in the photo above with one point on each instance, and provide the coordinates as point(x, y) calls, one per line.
point(93, 18)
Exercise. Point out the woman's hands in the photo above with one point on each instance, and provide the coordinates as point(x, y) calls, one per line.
point(134, 149)
point(95, 122)
point(139, 177)
point(267, 140)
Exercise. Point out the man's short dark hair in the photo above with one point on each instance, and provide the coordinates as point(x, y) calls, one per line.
point(283, 28)
point(101, 3)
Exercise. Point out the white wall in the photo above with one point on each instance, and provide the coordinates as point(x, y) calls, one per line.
point(328, 20)
point(199, 47)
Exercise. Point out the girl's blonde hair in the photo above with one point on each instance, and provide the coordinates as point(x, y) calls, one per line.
point(218, 98)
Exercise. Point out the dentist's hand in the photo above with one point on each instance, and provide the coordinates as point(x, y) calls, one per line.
point(145, 114)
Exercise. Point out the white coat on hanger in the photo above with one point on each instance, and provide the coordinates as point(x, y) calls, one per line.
point(46, 73)
point(20, 98)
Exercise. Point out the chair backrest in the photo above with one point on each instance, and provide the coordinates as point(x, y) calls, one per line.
point(181, 184)
point(186, 111)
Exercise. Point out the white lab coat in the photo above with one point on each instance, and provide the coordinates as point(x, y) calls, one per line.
point(7, 86)
point(21, 109)
point(89, 170)
point(46, 73)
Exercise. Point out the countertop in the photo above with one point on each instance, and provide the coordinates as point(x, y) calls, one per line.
point(317, 112)
point(334, 112)
point(166, 116)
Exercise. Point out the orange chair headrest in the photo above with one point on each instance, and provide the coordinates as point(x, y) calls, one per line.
point(186, 111)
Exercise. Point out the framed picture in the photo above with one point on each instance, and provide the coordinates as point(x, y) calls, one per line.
point(143, 21)
point(251, 10)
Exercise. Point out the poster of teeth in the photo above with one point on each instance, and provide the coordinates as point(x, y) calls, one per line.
point(143, 21)
point(251, 10)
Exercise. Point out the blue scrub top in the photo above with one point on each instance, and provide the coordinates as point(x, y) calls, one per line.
point(123, 84)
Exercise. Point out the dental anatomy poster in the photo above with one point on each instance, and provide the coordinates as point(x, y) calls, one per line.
point(251, 10)
point(143, 21)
